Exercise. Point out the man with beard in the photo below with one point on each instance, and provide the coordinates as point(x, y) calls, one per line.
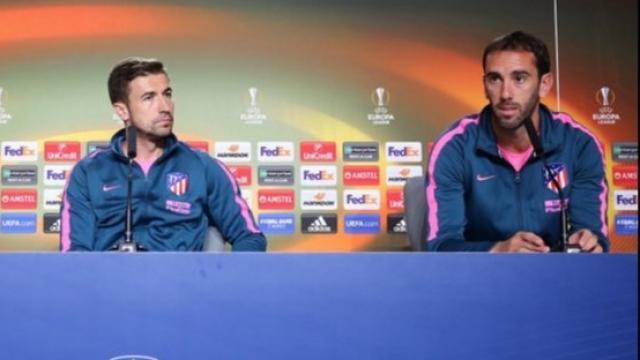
point(177, 192)
point(486, 187)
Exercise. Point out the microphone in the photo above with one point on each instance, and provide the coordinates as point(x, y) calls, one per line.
point(536, 142)
point(128, 245)
point(131, 136)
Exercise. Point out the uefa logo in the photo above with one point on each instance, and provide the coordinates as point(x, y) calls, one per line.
point(381, 115)
point(606, 97)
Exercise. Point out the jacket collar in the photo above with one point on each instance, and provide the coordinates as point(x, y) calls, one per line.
point(170, 144)
point(486, 141)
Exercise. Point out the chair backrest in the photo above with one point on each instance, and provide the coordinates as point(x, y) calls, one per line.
point(415, 208)
point(213, 241)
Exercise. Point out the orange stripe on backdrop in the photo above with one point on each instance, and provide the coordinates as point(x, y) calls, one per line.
point(71, 22)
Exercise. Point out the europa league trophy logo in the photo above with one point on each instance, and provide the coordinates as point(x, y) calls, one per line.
point(253, 95)
point(4, 116)
point(380, 98)
point(253, 114)
point(605, 97)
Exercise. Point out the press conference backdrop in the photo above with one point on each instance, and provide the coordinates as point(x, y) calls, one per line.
point(322, 111)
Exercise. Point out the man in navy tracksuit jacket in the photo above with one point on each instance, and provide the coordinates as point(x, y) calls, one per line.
point(486, 188)
point(178, 193)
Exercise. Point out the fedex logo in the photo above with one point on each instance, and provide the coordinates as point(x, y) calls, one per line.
point(242, 173)
point(56, 175)
point(360, 175)
point(275, 151)
point(19, 151)
point(318, 175)
point(395, 199)
point(625, 175)
point(404, 151)
point(62, 151)
point(626, 200)
point(361, 199)
point(318, 151)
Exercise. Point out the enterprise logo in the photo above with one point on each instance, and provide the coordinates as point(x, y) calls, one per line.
point(275, 175)
point(93, 146)
point(19, 175)
point(360, 151)
point(362, 223)
point(625, 151)
point(233, 151)
point(277, 224)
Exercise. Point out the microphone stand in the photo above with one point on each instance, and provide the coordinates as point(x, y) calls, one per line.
point(564, 245)
point(128, 245)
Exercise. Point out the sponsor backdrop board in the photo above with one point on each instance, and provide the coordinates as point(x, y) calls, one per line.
point(321, 112)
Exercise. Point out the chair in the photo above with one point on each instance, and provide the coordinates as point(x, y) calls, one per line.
point(415, 208)
point(213, 241)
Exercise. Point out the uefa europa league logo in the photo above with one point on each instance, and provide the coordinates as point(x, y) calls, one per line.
point(253, 96)
point(253, 114)
point(4, 116)
point(605, 96)
point(380, 98)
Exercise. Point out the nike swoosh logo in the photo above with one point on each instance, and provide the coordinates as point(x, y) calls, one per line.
point(484, 178)
point(107, 188)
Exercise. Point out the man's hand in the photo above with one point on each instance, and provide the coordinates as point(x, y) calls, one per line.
point(522, 241)
point(587, 241)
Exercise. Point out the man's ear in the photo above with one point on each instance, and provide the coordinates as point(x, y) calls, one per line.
point(122, 110)
point(546, 83)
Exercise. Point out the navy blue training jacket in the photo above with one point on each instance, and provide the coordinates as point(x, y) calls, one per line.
point(475, 198)
point(184, 192)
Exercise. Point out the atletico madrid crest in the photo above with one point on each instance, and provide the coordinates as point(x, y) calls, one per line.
point(559, 172)
point(177, 183)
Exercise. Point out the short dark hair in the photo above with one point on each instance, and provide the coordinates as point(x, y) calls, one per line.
point(519, 40)
point(128, 69)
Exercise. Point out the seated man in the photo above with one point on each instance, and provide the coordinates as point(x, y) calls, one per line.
point(177, 193)
point(486, 188)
